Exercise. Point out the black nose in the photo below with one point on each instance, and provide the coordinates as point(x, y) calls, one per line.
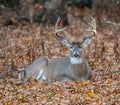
point(76, 54)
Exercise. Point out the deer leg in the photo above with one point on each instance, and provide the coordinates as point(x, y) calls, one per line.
point(41, 75)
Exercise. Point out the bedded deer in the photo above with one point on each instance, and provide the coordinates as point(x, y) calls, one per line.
point(72, 68)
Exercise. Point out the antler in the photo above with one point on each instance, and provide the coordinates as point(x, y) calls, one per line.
point(85, 42)
point(93, 27)
point(92, 24)
point(57, 30)
point(63, 39)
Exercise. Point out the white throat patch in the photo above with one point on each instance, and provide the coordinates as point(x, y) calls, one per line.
point(76, 60)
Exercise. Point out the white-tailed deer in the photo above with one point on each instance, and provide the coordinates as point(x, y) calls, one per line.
point(72, 68)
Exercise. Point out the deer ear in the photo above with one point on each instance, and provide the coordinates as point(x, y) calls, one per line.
point(65, 42)
point(87, 41)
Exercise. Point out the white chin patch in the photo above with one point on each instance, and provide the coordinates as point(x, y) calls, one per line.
point(76, 60)
point(41, 75)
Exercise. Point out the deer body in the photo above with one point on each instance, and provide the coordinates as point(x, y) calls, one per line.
point(63, 70)
point(72, 68)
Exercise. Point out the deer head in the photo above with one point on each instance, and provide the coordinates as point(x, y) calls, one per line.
point(76, 48)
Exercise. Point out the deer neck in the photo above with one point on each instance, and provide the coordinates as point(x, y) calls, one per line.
point(78, 67)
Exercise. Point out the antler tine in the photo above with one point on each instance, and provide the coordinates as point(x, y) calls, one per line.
point(93, 26)
point(57, 30)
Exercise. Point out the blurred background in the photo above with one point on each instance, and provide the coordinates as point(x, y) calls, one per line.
point(47, 11)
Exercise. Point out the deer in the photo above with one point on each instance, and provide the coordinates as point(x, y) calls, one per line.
point(75, 67)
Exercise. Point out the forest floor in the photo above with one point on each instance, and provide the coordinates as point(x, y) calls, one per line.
point(22, 43)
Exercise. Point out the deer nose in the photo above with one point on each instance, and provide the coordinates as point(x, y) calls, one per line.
point(76, 54)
